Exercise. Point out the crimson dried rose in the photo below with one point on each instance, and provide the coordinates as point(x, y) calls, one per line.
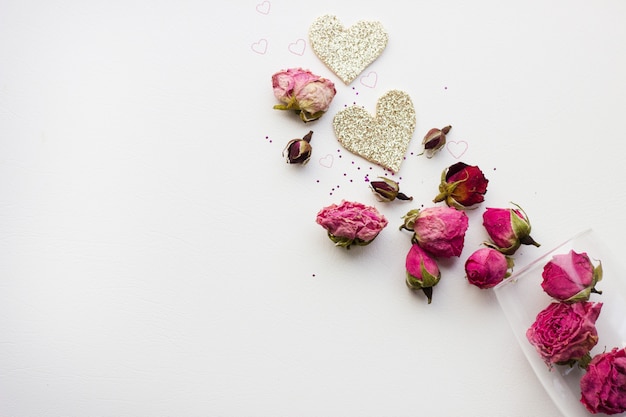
point(487, 267)
point(307, 94)
point(571, 277)
point(462, 186)
point(351, 223)
point(508, 228)
point(438, 230)
point(563, 334)
point(603, 386)
point(422, 272)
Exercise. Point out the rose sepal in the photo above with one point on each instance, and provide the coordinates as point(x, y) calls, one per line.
point(426, 284)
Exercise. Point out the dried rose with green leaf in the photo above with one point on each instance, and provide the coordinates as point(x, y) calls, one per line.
point(387, 190)
point(508, 228)
point(603, 386)
point(462, 186)
point(298, 151)
point(422, 272)
point(303, 92)
point(564, 334)
point(351, 223)
point(487, 267)
point(438, 230)
point(571, 277)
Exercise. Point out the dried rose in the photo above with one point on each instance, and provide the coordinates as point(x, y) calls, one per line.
point(422, 272)
point(351, 223)
point(300, 90)
point(571, 277)
point(434, 140)
point(487, 267)
point(603, 386)
point(438, 230)
point(387, 190)
point(508, 229)
point(298, 151)
point(462, 186)
point(563, 334)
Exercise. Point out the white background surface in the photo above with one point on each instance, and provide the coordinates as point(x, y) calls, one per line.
point(159, 258)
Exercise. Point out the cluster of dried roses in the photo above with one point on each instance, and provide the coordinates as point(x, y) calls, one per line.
point(565, 332)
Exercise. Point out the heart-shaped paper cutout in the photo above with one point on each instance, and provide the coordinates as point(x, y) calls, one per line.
point(347, 52)
point(382, 139)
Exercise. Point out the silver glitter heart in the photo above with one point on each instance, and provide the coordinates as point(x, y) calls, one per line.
point(347, 52)
point(382, 139)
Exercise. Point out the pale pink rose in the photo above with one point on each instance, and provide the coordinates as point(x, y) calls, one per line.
point(351, 223)
point(305, 93)
point(603, 386)
point(440, 230)
point(565, 333)
point(487, 267)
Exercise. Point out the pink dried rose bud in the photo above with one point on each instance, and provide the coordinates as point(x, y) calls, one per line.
point(387, 190)
point(508, 229)
point(487, 267)
point(563, 334)
point(422, 272)
point(434, 140)
point(351, 223)
point(298, 151)
point(307, 94)
point(438, 230)
point(571, 277)
point(462, 186)
point(603, 386)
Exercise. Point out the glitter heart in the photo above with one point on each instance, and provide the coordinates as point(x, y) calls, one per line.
point(347, 52)
point(382, 139)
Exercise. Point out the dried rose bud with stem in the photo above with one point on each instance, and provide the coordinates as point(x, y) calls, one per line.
point(298, 151)
point(387, 190)
point(434, 140)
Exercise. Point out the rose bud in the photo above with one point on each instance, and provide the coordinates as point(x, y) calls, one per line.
point(462, 186)
point(563, 334)
point(298, 151)
point(438, 230)
point(307, 94)
point(351, 223)
point(486, 268)
point(603, 386)
point(387, 190)
point(508, 229)
point(571, 277)
point(422, 272)
point(434, 140)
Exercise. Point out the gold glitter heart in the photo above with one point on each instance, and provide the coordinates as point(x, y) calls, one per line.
point(347, 52)
point(382, 139)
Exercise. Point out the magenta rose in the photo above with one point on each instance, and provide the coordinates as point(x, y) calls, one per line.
point(351, 223)
point(438, 230)
point(422, 272)
point(508, 229)
point(300, 90)
point(571, 277)
point(487, 267)
point(603, 387)
point(565, 333)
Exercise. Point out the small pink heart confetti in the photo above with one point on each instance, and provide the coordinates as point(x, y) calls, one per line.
point(263, 7)
point(260, 47)
point(327, 161)
point(297, 47)
point(370, 79)
point(456, 148)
